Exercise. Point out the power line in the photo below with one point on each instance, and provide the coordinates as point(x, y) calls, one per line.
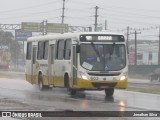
point(127, 14)
point(78, 10)
point(15, 17)
point(34, 6)
point(124, 9)
point(81, 3)
point(142, 29)
point(128, 20)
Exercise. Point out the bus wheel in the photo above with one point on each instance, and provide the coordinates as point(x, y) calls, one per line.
point(109, 92)
point(159, 78)
point(151, 78)
point(40, 82)
point(47, 87)
point(70, 90)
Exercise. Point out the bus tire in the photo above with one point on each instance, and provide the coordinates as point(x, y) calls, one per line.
point(67, 85)
point(109, 92)
point(40, 83)
point(158, 78)
point(72, 91)
point(151, 78)
point(47, 87)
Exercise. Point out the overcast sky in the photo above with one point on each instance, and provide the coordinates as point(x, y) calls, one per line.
point(140, 14)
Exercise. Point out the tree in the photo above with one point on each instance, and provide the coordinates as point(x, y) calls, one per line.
point(5, 37)
point(14, 48)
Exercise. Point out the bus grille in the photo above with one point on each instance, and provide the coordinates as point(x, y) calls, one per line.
point(99, 85)
point(104, 74)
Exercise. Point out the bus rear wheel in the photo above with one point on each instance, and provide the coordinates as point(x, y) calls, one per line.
point(109, 92)
point(40, 83)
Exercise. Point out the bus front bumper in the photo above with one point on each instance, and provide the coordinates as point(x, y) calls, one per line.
point(89, 84)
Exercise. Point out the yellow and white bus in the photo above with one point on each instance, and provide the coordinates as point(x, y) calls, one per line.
point(78, 61)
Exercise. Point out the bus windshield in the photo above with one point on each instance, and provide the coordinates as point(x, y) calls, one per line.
point(103, 57)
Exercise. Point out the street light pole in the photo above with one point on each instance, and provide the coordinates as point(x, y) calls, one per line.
point(159, 48)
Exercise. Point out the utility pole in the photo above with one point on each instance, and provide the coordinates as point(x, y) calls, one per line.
point(45, 24)
point(63, 11)
point(159, 48)
point(96, 16)
point(127, 35)
point(127, 38)
point(105, 24)
point(44, 27)
point(136, 45)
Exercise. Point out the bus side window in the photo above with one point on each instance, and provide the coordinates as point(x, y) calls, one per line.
point(46, 43)
point(29, 50)
point(60, 49)
point(40, 50)
point(52, 53)
point(67, 51)
point(34, 55)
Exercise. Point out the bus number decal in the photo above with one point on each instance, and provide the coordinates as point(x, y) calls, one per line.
point(93, 78)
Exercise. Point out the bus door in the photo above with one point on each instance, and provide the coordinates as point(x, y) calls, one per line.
point(29, 62)
point(34, 74)
point(51, 64)
point(74, 65)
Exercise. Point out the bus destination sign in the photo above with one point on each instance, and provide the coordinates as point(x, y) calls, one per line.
point(97, 38)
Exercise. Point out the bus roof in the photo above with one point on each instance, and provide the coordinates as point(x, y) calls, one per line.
point(68, 35)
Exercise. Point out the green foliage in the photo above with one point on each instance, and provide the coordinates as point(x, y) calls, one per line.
point(7, 39)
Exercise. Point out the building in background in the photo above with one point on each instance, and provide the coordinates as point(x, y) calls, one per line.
point(147, 52)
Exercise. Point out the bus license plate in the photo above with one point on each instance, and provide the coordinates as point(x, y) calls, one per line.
point(104, 87)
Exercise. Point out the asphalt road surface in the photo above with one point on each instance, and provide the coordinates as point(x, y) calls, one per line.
point(17, 94)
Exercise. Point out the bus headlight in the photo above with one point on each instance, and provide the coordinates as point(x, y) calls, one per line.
point(123, 77)
point(83, 76)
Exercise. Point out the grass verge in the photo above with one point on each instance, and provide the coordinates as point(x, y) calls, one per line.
point(12, 76)
point(151, 90)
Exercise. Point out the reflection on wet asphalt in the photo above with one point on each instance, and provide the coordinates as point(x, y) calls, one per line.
point(58, 98)
point(20, 95)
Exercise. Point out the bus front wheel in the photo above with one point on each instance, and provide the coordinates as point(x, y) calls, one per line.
point(67, 85)
point(109, 92)
point(72, 91)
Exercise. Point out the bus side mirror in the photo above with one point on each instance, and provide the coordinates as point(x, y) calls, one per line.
point(77, 48)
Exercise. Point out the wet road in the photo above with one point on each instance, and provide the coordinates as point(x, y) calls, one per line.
point(58, 99)
point(17, 94)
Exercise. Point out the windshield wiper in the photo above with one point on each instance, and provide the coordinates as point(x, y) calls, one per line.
point(112, 49)
point(97, 52)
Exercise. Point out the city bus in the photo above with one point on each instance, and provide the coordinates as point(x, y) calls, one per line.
point(78, 61)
